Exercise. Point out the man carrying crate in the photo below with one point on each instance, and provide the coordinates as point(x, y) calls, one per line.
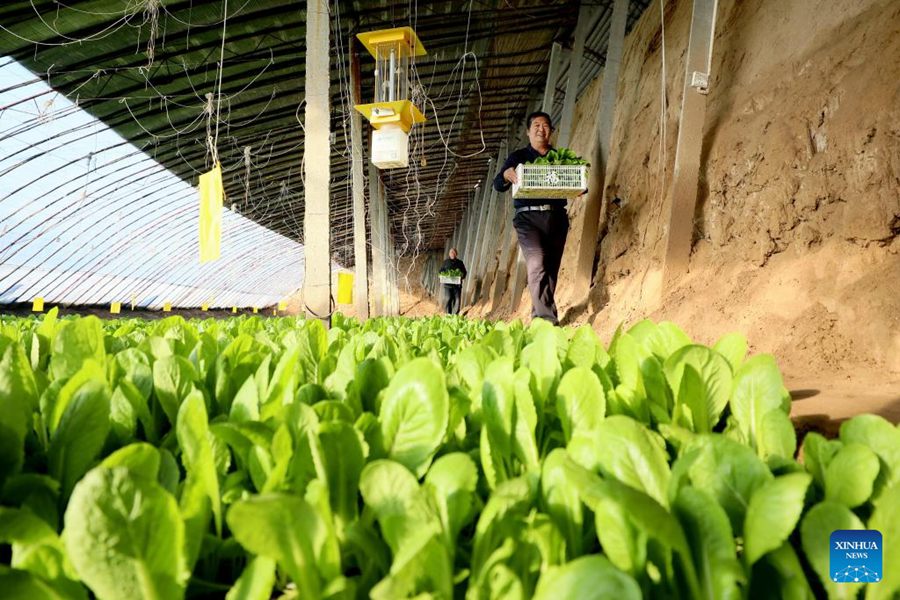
point(542, 224)
point(452, 272)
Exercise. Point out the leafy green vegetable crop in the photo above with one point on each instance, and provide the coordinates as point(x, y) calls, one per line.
point(560, 156)
point(451, 273)
point(435, 458)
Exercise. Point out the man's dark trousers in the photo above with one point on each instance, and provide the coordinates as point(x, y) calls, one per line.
point(542, 237)
point(454, 294)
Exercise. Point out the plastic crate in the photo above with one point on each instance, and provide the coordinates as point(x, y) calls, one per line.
point(550, 181)
point(450, 280)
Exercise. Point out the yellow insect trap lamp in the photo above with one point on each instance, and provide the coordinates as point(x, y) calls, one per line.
point(392, 114)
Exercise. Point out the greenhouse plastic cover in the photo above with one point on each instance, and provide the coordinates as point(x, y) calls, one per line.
point(88, 218)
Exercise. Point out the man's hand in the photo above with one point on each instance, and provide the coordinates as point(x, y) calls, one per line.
point(510, 175)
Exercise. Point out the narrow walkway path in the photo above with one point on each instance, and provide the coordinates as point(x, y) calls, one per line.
point(822, 405)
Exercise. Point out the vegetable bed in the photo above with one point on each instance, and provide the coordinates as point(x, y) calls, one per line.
point(436, 458)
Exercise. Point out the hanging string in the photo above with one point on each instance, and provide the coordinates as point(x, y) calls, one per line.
point(221, 68)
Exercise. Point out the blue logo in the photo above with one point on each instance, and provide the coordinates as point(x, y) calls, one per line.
point(856, 556)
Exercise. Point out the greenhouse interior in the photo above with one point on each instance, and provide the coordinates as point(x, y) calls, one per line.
point(459, 299)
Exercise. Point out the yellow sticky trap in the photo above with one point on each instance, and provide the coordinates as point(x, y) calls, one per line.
point(37, 305)
point(282, 305)
point(133, 302)
point(255, 310)
point(345, 288)
point(234, 309)
point(274, 312)
point(115, 308)
point(212, 195)
point(167, 307)
point(204, 307)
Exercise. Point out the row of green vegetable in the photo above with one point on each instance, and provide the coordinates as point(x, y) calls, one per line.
point(442, 457)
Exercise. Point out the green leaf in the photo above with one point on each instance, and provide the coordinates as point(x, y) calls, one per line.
point(714, 372)
point(284, 528)
point(779, 574)
point(883, 438)
point(173, 380)
point(393, 494)
point(712, 544)
point(730, 472)
point(256, 581)
point(758, 390)
point(818, 454)
point(76, 341)
point(625, 450)
point(22, 585)
point(192, 429)
point(124, 536)
point(424, 570)
point(561, 501)
point(851, 474)
point(414, 414)
point(343, 456)
point(773, 513)
point(586, 578)
point(886, 519)
point(141, 460)
point(585, 349)
point(452, 480)
point(815, 534)
point(733, 346)
point(18, 400)
point(580, 401)
point(245, 406)
point(500, 519)
point(78, 439)
point(542, 359)
point(372, 376)
point(662, 339)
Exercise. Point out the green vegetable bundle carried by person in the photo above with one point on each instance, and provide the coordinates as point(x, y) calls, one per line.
point(453, 267)
point(542, 224)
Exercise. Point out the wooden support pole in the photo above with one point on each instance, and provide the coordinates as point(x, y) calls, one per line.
point(471, 232)
point(690, 140)
point(360, 257)
point(317, 163)
point(379, 257)
point(489, 247)
point(484, 211)
point(552, 75)
point(568, 114)
point(600, 156)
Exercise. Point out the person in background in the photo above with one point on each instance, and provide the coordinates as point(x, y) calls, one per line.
point(453, 292)
point(541, 224)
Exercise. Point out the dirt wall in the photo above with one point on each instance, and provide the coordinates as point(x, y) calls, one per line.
point(798, 216)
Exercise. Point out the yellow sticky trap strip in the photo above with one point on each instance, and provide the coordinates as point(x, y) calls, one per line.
point(234, 309)
point(205, 307)
point(345, 288)
point(167, 307)
point(212, 195)
point(282, 305)
point(115, 308)
point(255, 310)
point(37, 305)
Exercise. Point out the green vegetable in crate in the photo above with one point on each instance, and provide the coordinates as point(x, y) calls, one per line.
point(451, 273)
point(560, 156)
